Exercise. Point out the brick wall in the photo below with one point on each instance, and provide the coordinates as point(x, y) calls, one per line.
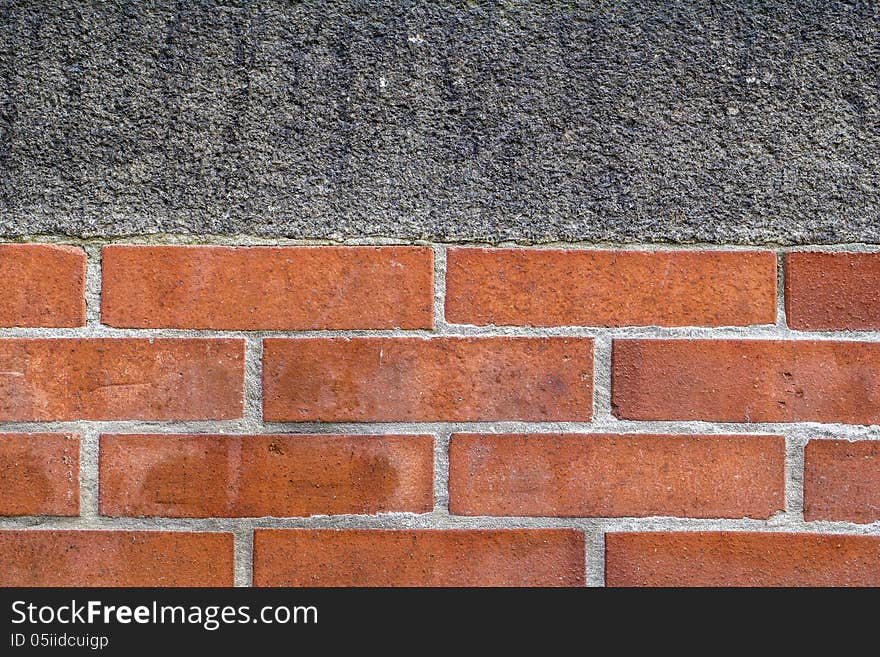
point(432, 415)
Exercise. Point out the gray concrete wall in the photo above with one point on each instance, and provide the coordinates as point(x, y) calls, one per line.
point(639, 121)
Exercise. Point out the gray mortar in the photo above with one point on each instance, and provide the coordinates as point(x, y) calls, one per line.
point(640, 121)
point(796, 434)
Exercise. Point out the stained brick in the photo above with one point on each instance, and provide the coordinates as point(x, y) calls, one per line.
point(39, 474)
point(265, 475)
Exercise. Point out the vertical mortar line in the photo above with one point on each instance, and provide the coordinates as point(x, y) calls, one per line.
point(794, 476)
point(93, 284)
point(253, 382)
point(439, 287)
point(244, 554)
point(595, 556)
point(441, 470)
point(441, 438)
point(602, 377)
point(88, 476)
point(794, 445)
point(594, 537)
point(253, 421)
point(781, 319)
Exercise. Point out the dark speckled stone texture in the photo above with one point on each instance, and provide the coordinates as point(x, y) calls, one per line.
point(639, 121)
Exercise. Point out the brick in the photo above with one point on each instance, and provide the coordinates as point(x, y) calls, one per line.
point(120, 379)
point(616, 475)
point(746, 380)
point(371, 557)
point(43, 285)
point(269, 288)
point(115, 558)
point(832, 291)
point(842, 480)
point(554, 287)
point(265, 475)
point(435, 379)
point(741, 559)
point(39, 474)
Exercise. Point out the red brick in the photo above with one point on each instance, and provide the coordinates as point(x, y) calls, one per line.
point(115, 558)
point(39, 474)
point(376, 557)
point(554, 287)
point(120, 379)
point(271, 288)
point(832, 291)
point(265, 475)
point(616, 475)
point(746, 380)
point(741, 559)
point(43, 285)
point(842, 480)
point(435, 379)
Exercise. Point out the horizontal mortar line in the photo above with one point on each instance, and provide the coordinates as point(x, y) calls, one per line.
point(596, 427)
point(206, 239)
point(755, 332)
point(251, 427)
point(758, 332)
point(437, 520)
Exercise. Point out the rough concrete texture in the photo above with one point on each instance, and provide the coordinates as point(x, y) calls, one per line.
point(639, 121)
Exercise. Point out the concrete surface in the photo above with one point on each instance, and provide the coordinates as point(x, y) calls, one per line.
point(638, 121)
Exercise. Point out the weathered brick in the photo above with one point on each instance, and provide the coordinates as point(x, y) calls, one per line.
point(616, 475)
point(43, 285)
point(741, 559)
point(370, 557)
point(270, 288)
point(746, 380)
point(120, 379)
point(555, 287)
point(842, 480)
point(435, 379)
point(39, 474)
point(115, 558)
point(832, 291)
point(265, 475)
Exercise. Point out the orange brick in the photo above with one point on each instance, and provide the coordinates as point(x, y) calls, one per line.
point(555, 287)
point(832, 291)
point(616, 475)
point(746, 380)
point(842, 480)
point(43, 285)
point(371, 557)
point(115, 558)
point(265, 475)
point(120, 379)
point(39, 474)
point(741, 559)
point(271, 288)
point(435, 379)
